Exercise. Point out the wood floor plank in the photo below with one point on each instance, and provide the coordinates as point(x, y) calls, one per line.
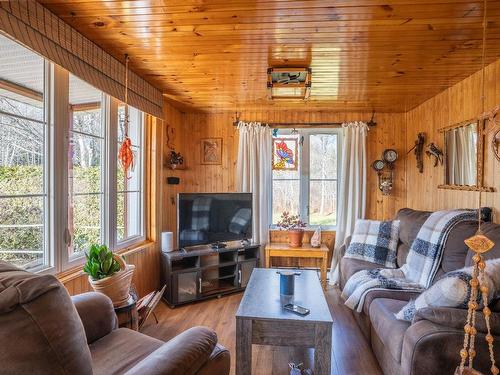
point(351, 353)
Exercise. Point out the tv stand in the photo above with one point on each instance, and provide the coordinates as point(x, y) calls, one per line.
point(207, 272)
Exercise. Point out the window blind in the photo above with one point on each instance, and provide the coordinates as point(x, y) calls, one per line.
point(39, 29)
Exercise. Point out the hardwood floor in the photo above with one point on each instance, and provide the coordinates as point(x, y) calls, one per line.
point(351, 353)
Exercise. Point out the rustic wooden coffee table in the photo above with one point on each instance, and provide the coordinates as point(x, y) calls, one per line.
point(260, 319)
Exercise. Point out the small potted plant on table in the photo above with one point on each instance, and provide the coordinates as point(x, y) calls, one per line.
point(109, 274)
point(294, 226)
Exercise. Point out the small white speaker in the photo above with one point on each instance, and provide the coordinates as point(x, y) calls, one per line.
point(167, 242)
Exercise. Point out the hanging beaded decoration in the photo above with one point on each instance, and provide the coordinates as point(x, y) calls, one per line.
point(480, 244)
point(125, 153)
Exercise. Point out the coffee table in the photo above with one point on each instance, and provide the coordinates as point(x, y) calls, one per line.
point(260, 319)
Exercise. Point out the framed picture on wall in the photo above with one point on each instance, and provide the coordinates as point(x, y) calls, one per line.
point(211, 151)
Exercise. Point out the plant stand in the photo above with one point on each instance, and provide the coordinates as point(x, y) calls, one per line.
point(127, 314)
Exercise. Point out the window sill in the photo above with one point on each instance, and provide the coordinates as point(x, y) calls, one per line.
point(307, 229)
point(77, 271)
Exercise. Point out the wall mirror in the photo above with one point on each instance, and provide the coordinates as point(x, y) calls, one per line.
point(463, 155)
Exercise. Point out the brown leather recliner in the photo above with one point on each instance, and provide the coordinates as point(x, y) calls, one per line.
point(44, 331)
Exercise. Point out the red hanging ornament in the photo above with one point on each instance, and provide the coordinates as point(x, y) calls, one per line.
point(125, 153)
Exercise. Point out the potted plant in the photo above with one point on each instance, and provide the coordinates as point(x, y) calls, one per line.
point(294, 226)
point(109, 274)
point(175, 159)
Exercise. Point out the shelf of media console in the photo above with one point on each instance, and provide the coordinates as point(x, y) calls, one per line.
point(204, 272)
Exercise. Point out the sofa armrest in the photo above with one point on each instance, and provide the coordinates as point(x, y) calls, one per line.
point(97, 314)
point(184, 354)
point(219, 362)
point(344, 246)
point(456, 318)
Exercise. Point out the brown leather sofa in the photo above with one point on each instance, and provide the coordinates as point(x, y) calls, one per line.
point(429, 345)
point(44, 331)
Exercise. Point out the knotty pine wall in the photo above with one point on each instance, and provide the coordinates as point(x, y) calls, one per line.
point(459, 103)
point(185, 131)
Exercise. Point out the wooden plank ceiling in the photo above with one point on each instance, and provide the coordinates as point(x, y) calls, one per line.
point(388, 56)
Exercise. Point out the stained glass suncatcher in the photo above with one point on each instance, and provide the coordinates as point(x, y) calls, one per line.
point(285, 154)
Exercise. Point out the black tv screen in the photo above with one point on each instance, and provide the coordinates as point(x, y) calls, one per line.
point(206, 218)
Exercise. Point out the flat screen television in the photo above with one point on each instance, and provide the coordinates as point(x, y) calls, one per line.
point(207, 218)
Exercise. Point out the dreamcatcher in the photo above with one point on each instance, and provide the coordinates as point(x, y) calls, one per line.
point(125, 154)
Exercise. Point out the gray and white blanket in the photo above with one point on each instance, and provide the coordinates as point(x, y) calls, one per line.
point(421, 265)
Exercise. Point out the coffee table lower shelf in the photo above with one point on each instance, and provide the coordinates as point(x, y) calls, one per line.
point(262, 332)
point(261, 319)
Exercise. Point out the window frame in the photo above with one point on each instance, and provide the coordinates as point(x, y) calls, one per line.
point(48, 254)
point(79, 258)
point(304, 173)
point(57, 133)
point(115, 244)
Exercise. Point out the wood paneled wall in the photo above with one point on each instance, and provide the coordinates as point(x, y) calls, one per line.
point(190, 128)
point(460, 102)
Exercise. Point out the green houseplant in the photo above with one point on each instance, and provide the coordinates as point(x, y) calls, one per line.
point(100, 262)
point(294, 226)
point(108, 273)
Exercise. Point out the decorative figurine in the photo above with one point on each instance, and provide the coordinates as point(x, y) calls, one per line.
point(433, 150)
point(419, 147)
point(316, 237)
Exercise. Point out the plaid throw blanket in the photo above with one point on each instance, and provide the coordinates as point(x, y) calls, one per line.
point(421, 265)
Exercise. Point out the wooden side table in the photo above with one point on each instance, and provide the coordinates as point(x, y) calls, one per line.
point(284, 250)
point(127, 314)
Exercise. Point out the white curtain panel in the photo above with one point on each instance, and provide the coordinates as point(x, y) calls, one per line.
point(253, 175)
point(352, 192)
point(461, 155)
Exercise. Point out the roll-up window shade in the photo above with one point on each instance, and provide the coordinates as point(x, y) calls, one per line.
point(41, 30)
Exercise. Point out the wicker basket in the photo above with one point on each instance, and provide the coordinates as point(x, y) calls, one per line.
point(116, 286)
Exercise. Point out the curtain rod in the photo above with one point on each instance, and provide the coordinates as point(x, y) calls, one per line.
point(285, 124)
point(291, 124)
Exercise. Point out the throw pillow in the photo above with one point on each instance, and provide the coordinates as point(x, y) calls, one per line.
point(452, 290)
point(375, 241)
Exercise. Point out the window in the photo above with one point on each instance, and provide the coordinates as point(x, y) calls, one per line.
point(310, 188)
point(23, 157)
point(61, 188)
point(129, 189)
point(86, 167)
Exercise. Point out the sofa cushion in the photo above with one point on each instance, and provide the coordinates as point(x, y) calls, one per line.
point(375, 241)
point(410, 223)
point(349, 267)
point(39, 320)
point(455, 249)
point(399, 295)
point(120, 350)
point(389, 330)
